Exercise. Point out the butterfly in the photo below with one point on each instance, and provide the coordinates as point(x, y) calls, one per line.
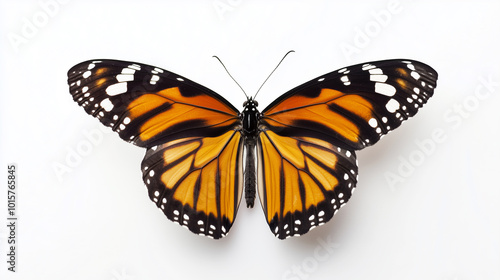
point(298, 153)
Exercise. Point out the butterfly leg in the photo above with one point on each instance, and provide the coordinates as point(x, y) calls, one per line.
point(250, 171)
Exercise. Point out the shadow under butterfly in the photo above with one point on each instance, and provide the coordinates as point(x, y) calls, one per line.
point(299, 150)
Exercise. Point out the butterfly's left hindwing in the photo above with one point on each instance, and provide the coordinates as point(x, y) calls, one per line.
point(193, 165)
point(197, 181)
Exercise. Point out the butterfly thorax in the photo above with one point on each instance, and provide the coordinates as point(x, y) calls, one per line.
point(250, 131)
point(250, 119)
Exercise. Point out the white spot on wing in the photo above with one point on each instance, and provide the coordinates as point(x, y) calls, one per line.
point(378, 78)
point(116, 89)
point(128, 71)
point(345, 80)
point(415, 75)
point(376, 71)
point(367, 67)
point(86, 74)
point(392, 106)
point(107, 105)
point(135, 66)
point(154, 79)
point(124, 77)
point(385, 89)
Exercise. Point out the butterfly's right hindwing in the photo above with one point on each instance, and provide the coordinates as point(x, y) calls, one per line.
point(303, 181)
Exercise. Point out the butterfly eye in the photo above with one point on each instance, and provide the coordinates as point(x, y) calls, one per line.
point(256, 103)
point(245, 103)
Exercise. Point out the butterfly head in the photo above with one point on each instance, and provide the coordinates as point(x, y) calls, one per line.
point(250, 102)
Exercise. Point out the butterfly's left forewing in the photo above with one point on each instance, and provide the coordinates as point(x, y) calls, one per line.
point(193, 165)
point(147, 105)
point(308, 137)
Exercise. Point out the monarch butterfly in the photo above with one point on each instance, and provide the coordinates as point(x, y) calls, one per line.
point(304, 142)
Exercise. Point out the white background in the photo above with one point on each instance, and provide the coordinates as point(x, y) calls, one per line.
point(437, 218)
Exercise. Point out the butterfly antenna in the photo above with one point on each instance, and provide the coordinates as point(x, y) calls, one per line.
point(231, 75)
point(272, 72)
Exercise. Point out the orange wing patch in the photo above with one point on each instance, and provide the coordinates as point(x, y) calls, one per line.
point(320, 109)
point(177, 110)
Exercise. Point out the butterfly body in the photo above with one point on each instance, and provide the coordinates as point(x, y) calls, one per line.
point(298, 154)
point(250, 131)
